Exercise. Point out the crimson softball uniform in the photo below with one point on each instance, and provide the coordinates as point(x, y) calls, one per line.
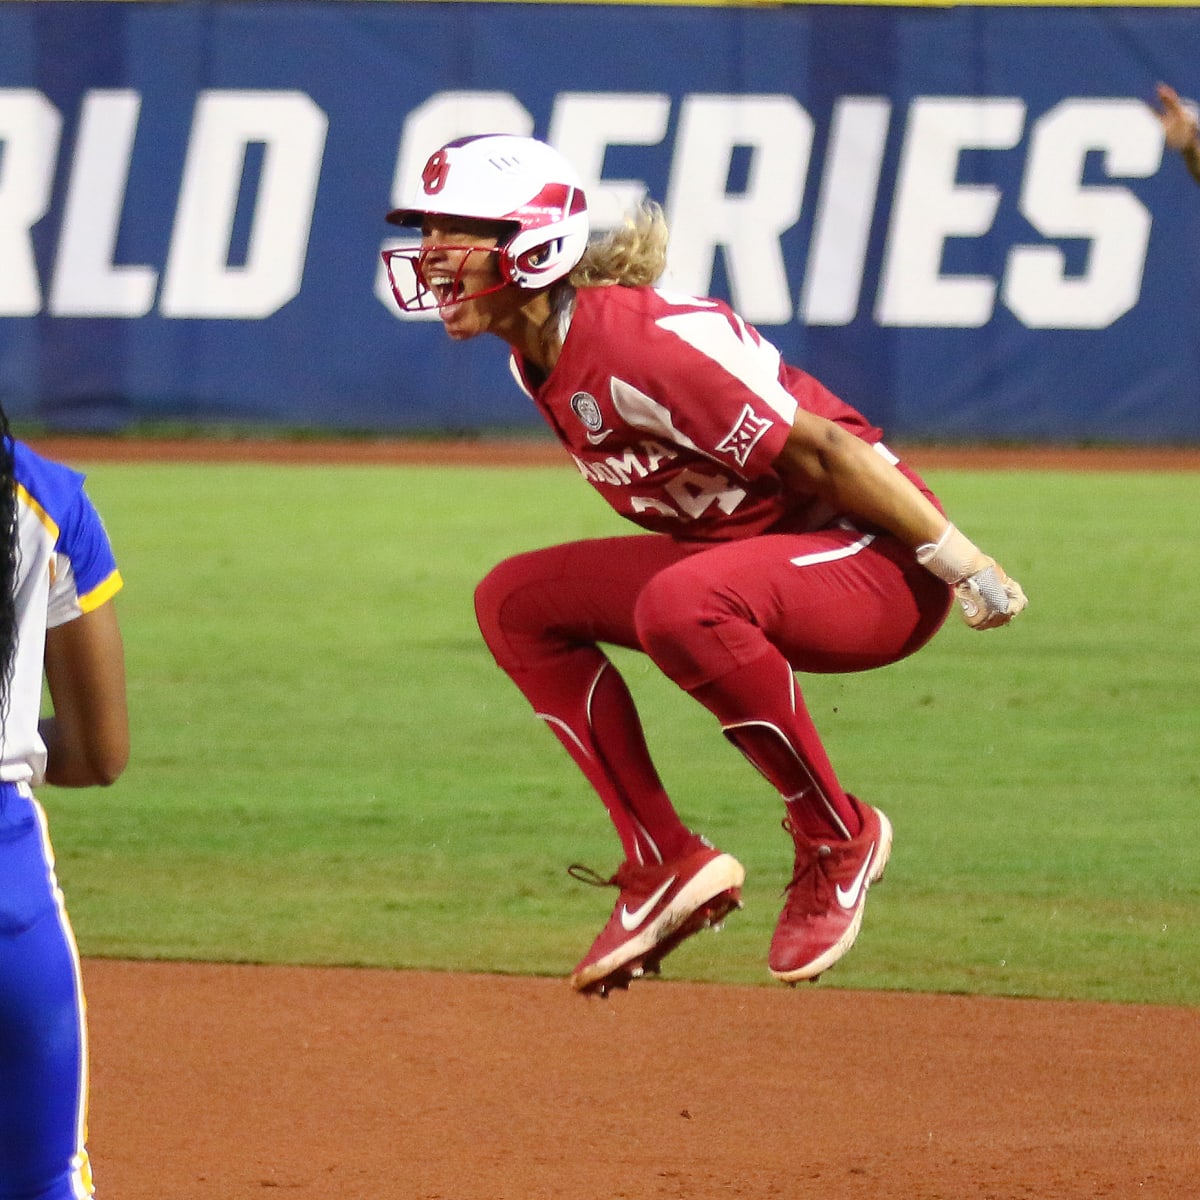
point(66, 568)
point(675, 410)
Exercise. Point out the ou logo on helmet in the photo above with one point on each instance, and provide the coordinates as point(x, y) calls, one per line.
point(433, 177)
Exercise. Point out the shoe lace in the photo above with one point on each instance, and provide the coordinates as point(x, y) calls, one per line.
point(811, 858)
point(584, 874)
point(628, 876)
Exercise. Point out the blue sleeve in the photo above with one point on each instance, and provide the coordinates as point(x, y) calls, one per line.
point(84, 541)
point(84, 570)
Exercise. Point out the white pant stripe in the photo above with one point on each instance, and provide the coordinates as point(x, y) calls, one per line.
point(824, 556)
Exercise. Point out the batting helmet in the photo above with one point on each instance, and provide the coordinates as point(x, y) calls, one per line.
point(518, 182)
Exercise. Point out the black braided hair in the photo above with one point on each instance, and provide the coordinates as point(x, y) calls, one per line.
point(10, 551)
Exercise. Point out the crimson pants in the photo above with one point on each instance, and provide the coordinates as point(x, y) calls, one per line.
point(729, 623)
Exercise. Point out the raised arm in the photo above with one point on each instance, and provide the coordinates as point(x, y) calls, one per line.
point(87, 738)
point(819, 456)
point(1180, 128)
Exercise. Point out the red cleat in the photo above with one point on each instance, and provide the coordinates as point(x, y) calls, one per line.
point(659, 907)
point(825, 899)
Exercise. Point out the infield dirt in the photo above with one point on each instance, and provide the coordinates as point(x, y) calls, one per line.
point(224, 1083)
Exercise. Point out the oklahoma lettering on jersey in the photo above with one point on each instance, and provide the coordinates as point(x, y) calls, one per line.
point(675, 410)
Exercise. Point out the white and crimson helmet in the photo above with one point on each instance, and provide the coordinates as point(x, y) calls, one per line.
point(517, 182)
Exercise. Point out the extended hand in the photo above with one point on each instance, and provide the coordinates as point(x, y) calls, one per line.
point(986, 597)
point(989, 598)
point(1178, 120)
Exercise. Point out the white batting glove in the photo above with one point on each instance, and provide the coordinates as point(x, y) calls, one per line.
point(986, 596)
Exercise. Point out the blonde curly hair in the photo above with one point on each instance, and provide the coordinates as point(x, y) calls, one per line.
point(633, 255)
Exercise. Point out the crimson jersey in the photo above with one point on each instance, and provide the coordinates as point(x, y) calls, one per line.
point(675, 410)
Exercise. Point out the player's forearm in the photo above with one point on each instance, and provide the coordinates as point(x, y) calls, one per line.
point(87, 738)
point(852, 477)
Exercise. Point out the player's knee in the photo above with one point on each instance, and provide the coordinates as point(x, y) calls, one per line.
point(514, 602)
point(491, 594)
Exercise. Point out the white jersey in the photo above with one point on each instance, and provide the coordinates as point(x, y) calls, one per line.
point(66, 569)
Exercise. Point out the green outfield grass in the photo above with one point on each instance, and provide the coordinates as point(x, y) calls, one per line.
point(328, 768)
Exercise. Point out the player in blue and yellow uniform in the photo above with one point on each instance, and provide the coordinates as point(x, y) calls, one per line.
point(57, 624)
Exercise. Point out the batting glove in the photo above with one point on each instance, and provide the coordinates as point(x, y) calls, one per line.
point(986, 596)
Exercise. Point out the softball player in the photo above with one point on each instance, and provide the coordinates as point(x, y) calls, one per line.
point(56, 619)
point(782, 536)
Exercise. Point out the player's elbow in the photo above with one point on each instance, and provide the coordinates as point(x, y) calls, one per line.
point(100, 765)
point(108, 762)
point(107, 774)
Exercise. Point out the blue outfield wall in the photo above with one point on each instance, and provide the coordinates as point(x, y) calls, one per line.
point(963, 219)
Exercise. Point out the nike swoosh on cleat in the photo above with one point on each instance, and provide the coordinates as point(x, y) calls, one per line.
point(631, 920)
point(848, 897)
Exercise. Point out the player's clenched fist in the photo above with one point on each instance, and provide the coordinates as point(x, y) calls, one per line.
point(986, 596)
point(989, 598)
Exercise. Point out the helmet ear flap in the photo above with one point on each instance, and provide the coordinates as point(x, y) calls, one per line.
point(523, 267)
point(535, 258)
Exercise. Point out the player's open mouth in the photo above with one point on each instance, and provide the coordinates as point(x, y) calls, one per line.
point(446, 288)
